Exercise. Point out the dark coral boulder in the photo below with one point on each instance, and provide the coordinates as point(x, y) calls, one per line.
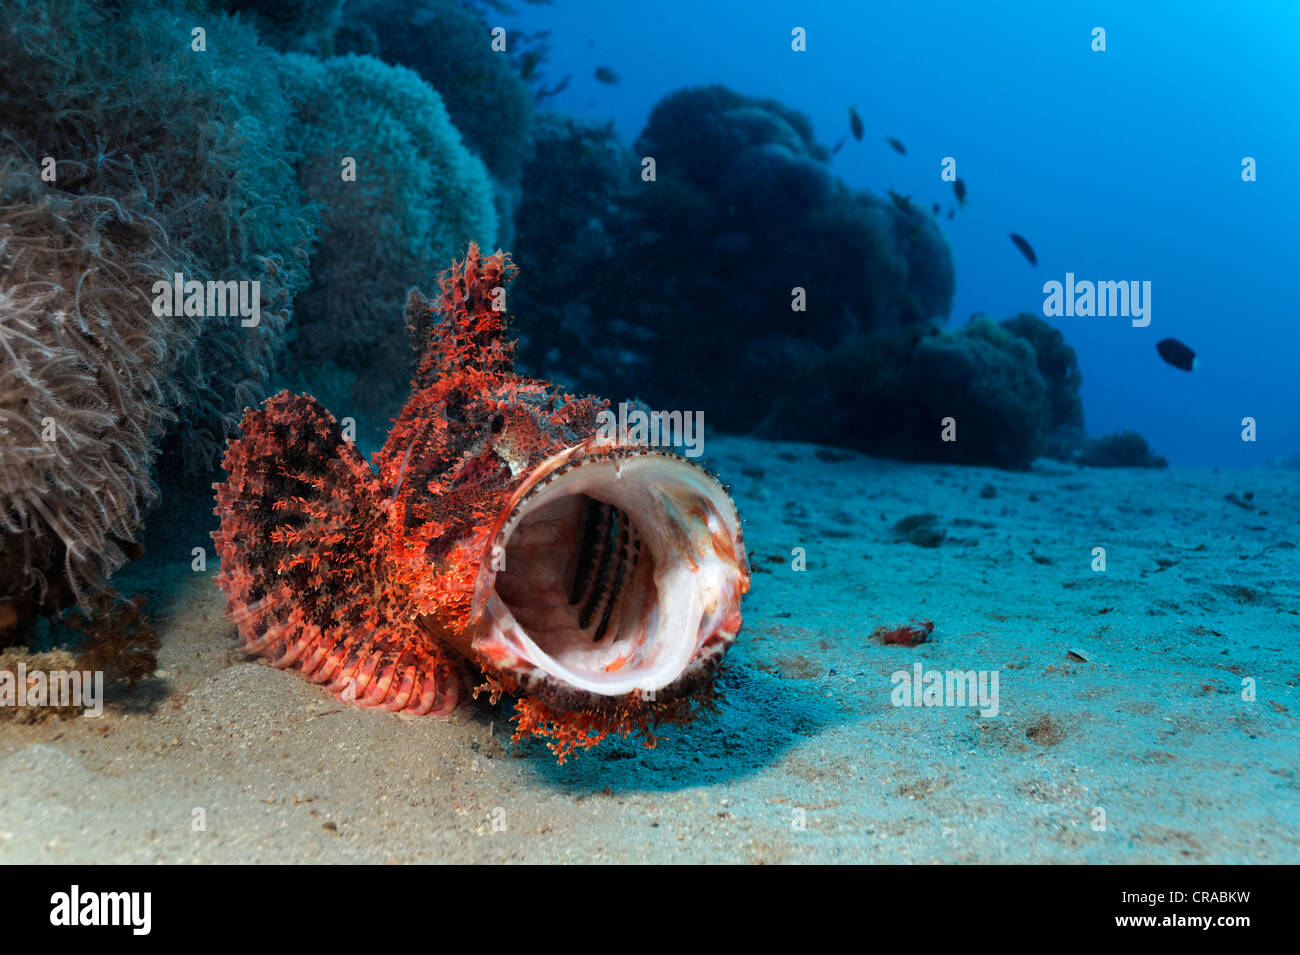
point(448, 43)
point(987, 381)
point(580, 299)
point(1123, 449)
point(703, 132)
point(891, 392)
point(704, 287)
point(1057, 363)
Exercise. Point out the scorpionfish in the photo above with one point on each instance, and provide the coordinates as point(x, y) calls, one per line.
point(500, 542)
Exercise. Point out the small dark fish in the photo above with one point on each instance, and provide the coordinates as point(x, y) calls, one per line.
point(898, 147)
point(855, 122)
point(528, 64)
point(839, 145)
point(545, 92)
point(950, 212)
point(606, 75)
point(1023, 246)
point(936, 208)
point(1176, 353)
point(959, 188)
point(904, 203)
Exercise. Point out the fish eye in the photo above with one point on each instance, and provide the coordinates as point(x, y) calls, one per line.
point(498, 422)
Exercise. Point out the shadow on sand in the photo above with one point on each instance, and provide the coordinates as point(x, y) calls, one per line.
point(759, 718)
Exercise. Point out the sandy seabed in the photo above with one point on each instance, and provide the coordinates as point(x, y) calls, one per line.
point(808, 760)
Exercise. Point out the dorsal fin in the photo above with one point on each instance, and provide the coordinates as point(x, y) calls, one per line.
point(466, 328)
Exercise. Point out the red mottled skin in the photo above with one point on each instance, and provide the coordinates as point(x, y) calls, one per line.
point(362, 576)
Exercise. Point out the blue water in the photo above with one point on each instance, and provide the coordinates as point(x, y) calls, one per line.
point(1115, 165)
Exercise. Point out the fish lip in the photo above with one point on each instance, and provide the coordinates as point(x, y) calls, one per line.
point(700, 573)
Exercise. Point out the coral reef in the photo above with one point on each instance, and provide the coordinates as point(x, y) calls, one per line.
point(1059, 366)
point(302, 26)
point(680, 290)
point(575, 188)
point(164, 162)
point(417, 198)
point(1011, 386)
point(117, 639)
point(118, 644)
point(860, 394)
point(709, 132)
point(1123, 449)
point(987, 379)
point(887, 392)
point(448, 43)
point(15, 664)
point(776, 218)
point(1057, 363)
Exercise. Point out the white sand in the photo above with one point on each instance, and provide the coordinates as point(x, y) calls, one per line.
point(1152, 729)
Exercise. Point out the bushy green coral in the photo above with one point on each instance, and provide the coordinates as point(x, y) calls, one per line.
point(167, 159)
point(193, 141)
point(449, 44)
point(305, 26)
point(418, 197)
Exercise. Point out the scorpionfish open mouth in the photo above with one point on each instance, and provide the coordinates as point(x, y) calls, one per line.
point(614, 572)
